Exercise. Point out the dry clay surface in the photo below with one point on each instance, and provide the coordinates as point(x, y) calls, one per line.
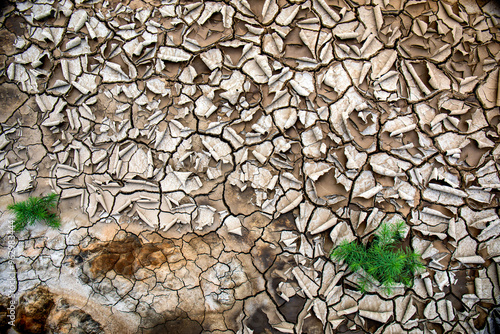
point(210, 154)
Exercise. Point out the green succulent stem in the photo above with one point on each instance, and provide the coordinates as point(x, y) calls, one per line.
point(381, 259)
point(36, 209)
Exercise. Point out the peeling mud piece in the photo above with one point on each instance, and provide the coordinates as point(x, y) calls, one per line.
point(289, 239)
point(148, 215)
point(258, 69)
point(328, 16)
point(303, 84)
point(205, 216)
point(340, 115)
point(489, 175)
point(365, 186)
point(219, 150)
point(233, 87)
point(372, 221)
point(337, 78)
point(312, 140)
point(288, 181)
point(321, 220)
point(234, 138)
point(204, 107)
point(479, 219)
point(489, 90)
point(233, 225)
point(442, 279)
point(479, 194)
point(400, 125)
point(466, 249)
point(308, 286)
point(424, 247)
point(445, 195)
point(347, 305)
point(41, 11)
point(491, 231)
point(405, 310)
point(382, 63)
point(288, 202)
point(24, 181)
point(3, 142)
point(77, 20)
point(446, 310)
point(286, 290)
point(341, 232)
point(387, 165)
point(468, 260)
point(305, 210)
point(452, 143)
point(286, 15)
point(492, 248)
point(173, 54)
point(285, 118)
point(112, 72)
point(375, 308)
point(430, 311)
point(280, 100)
point(470, 300)
point(158, 86)
point(174, 181)
point(211, 8)
point(355, 158)
point(315, 170)
point(212, 58)
point(483, 287)
point(273, 44)
point(260, 178)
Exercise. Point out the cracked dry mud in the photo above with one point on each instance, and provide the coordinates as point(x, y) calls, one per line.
point(210, 154)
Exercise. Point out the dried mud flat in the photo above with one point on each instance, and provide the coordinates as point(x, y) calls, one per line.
point(210, 154)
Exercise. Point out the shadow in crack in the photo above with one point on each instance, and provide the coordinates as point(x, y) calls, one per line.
point(3, 5)
point(292, 308)
point(259, 323)
point(177, 326)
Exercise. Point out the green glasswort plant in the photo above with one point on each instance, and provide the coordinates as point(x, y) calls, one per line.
point(36, 209)
point(381, 259)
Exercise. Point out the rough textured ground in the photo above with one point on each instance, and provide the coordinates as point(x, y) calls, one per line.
point(209, 155)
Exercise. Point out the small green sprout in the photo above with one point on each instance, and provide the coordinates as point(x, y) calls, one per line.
point(36, 209)
point(381, 259)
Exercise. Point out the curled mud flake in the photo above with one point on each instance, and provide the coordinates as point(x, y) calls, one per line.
point(258, 69)
point(78, 20)
point(173, 54)
point(337, 78)
point(341, 232)
point(273, 44)
point(373, 307)
point(308, 286)
point(321, 220)
point(285, 118)
point(328, 16)
point(405, 310)
point(287, 15)
point(365, 186)
point(212, 58)
point(489, 91)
